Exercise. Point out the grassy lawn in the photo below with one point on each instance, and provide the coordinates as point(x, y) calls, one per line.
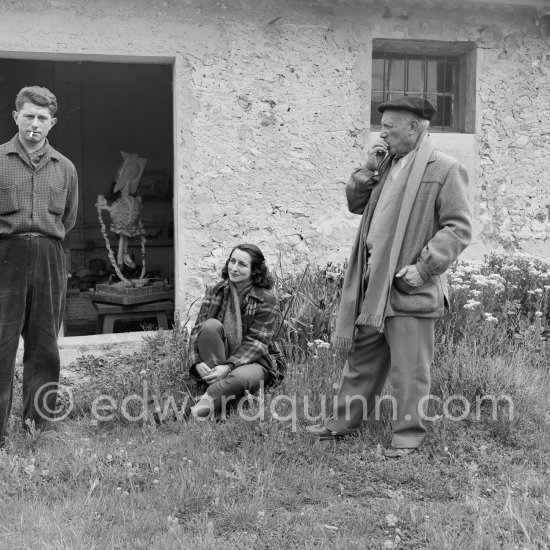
point(241, 484)
point(251, 483)
point(478, 483)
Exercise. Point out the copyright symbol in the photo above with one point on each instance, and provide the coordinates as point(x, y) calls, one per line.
point(62, 406)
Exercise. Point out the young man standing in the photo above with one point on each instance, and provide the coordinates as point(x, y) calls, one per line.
point(38, 206)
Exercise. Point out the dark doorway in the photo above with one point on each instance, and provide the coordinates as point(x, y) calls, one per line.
point(105, 108)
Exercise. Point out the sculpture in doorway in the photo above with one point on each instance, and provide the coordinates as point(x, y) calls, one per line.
point(125, 215)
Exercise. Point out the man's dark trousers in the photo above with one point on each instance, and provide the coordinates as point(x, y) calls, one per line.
point(33, 282)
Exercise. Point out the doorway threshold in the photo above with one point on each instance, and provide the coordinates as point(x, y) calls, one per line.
point(73, 347)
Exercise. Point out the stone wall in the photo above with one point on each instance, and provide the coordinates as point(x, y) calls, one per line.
point(272, 112)
point(514, 178)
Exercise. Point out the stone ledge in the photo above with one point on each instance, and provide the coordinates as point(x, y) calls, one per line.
point(73, 347)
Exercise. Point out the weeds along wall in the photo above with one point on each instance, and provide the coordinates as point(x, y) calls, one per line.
point(272, 112)
point(491, 345)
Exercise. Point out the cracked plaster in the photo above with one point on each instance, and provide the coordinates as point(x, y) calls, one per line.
point(272, 110)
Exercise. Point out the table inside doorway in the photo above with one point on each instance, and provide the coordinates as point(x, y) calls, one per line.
point(112, 306)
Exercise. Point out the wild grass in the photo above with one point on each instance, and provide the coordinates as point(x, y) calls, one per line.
point(253, 480)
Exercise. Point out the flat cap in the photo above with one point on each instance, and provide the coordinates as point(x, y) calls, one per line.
point(417, 105)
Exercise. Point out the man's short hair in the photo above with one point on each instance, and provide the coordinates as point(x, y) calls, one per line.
point(37, 95)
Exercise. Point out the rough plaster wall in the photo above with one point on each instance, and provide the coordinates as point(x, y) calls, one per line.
point(298, 92)
point(266, 128)
point(511, 178)
point(273, 175)
point(272, 111)
point(514, 200)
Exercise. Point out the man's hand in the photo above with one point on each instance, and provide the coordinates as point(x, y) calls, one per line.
point(217, 373)
point(376, 154)
point(410, 275)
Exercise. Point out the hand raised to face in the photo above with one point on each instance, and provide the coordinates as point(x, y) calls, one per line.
point(376, 154)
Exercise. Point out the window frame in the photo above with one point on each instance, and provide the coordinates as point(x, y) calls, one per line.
point(463, 54)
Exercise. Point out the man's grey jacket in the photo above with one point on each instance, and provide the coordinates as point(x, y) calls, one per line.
point(438, 230)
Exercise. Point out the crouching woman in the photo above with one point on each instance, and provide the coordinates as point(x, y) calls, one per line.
point(229, 344)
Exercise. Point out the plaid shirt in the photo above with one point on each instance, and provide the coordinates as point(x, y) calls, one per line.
point(36, 199)
point(260, 320)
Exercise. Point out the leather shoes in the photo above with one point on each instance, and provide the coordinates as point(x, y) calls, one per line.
point(322, 432)
point(394, 452)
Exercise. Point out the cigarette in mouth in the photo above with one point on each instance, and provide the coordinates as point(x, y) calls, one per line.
point(31, 133)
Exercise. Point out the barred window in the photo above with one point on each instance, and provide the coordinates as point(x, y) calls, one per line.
point(398, 68)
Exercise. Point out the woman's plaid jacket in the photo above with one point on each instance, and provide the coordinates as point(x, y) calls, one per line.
point(260, 315)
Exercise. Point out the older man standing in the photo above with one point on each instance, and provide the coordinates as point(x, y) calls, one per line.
point(38, 206)
point(416, 220)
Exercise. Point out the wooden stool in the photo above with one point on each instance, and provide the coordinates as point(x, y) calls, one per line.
point(109, 313)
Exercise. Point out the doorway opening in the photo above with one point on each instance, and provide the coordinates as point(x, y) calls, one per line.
point(106, 108)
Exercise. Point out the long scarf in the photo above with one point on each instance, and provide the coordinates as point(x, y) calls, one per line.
point(374, 302)
point(232, 320)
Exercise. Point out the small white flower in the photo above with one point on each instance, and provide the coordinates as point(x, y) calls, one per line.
point(173, 519)
point(490, 318)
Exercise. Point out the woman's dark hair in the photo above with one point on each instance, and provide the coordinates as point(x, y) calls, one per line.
point(260, 274)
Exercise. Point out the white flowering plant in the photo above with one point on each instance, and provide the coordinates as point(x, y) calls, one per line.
point(493, 339)
point(506, 294)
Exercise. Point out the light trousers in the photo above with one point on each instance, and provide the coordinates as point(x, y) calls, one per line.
point(405, 352)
